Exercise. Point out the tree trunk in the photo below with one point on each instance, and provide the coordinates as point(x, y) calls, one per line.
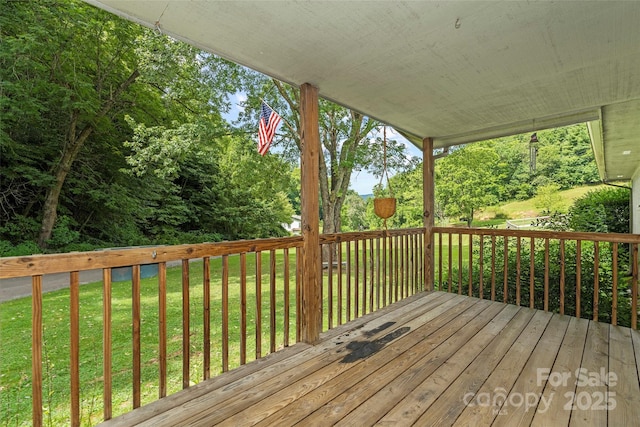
point(336, 162)
point(69, 155)
point(331, 223)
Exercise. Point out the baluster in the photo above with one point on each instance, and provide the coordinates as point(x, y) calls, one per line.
point(532, 278)
point(481, 266)
point(36, 349)
point(614, 290)
point(135, 302)
point(518, 269)
point(272, 301)
point(259, 304)
point(578, 275)
point(596, 279)
point(286, 298)
point(470, 263)
point(505, 283)
point(562, 267)
point(107, 350)
point(206, 300)
point(450, 253)
point(493, 268)
point(348, 281)
point(74, 321)
point(243, 308)
point(225, 313)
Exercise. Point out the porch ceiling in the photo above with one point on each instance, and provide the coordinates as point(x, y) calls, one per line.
point(454, 71)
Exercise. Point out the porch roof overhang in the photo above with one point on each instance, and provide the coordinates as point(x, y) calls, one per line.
point(457, 72)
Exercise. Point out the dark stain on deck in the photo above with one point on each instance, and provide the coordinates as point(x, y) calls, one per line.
point(380, 328)
point(363, 349)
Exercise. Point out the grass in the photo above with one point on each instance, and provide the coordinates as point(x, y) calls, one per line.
point(15, 322)
point(15, 318)
point(528, 209)
point(15, 330)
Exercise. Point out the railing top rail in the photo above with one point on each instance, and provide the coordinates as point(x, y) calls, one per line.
point(546, 234)
point(363, 235)
point(21, 266)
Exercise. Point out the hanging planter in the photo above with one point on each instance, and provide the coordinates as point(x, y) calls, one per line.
point(385, 207)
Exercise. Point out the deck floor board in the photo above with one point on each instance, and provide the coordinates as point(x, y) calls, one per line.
point(421, 361)
point(551, 411)
point(525, 326)
point(404, 353)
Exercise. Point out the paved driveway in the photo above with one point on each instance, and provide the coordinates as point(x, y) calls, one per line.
point(20, 287)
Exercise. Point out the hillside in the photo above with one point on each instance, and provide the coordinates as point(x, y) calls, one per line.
point(527, 208)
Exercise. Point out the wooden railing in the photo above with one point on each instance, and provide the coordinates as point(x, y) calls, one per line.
point(231, 302)
point(134, 341)
point(365, 271)
point(592, 275)
point(173, 316)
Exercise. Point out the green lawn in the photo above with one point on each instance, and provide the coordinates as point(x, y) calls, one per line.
point(15, 321)
point(15, 318)
point(15, 330)
point(527, 208)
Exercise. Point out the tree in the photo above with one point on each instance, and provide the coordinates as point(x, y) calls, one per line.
point(69, 73)
point(346, 136)
point(354, 211)
point(74, 56)
point(548, 198)
point(209, 180)
point(513, 172)
point(465, 181)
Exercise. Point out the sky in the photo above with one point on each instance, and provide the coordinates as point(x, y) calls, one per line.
point(362, 182)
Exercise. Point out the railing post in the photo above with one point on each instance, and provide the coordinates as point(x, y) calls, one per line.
point(36, 350)
point(311, 280)
point(428, 191)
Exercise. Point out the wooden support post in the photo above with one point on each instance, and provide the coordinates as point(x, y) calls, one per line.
point(311, 279)
point(428, 192)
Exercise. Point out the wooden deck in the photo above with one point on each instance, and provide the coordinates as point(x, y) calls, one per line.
point(433, 359)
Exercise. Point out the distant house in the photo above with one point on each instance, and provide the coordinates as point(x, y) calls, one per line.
point(294, 226)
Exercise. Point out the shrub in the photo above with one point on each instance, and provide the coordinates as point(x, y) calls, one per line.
point(21, 249)
point(499, 214)
point(19, 229)
point(587, 264)
point(602, 211)
point(63, 233)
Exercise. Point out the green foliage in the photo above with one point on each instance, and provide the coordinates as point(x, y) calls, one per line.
point(23, 248)
point(64, 233)
point(548, 198)
point(604, 211)
point(408, 189)
point(466, 181)
point(479, 174)
point(159, 163)
point(354, 213)
point(521, 284)
point(565, 156)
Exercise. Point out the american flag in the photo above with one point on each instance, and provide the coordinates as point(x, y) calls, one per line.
point(269, 121)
